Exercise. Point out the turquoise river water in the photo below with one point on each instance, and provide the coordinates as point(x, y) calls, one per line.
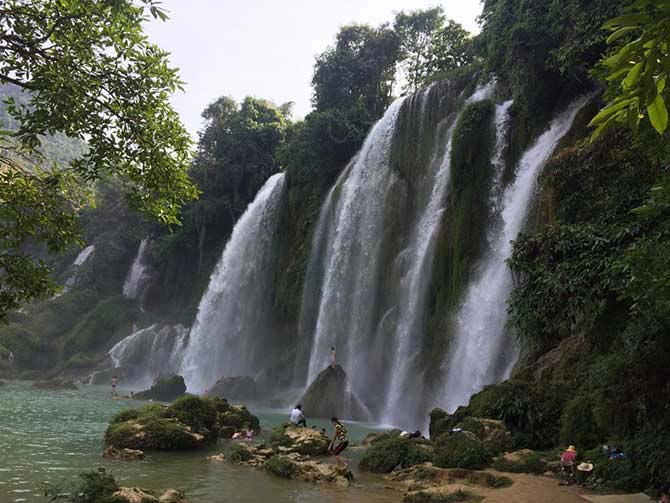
point(51, 436)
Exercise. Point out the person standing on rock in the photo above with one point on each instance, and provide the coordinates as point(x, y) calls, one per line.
point(297, 416)
point(332, 356)
point(339, 438)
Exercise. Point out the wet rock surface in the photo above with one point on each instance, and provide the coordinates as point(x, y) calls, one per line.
point(165, 389)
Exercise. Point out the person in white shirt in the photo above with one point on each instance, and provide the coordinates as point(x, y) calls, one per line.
point(297, 416)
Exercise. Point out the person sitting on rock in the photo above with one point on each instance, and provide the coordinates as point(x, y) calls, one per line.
point(248, 433)
point(297, 416)
point(339, 437)
point(568, 459)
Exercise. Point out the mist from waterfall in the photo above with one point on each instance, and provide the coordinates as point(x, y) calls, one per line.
point(136, 279)
point(483, 351)
point(231, 335)
point(148, 352)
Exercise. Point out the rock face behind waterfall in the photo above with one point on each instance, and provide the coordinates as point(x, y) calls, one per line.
point(327, 396)
point(235, 388)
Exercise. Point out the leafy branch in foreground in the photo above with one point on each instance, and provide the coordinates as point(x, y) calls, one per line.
point(86, 70)
point(639, 67)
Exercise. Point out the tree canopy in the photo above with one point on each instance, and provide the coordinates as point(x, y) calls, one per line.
point(88, 72)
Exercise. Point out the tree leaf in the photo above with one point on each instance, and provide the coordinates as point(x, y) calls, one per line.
point(658, 114)
point(621, 32)
point(633, 75)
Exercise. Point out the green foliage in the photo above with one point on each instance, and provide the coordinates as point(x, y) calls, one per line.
point(578, 423)
point(461, 450)
point(638, 68)
point(66, 58)
point(239, 453)
point(532, 462)
point(125, 415)
point(357, 71)
point(95, 487)
point(280, 466)
point(197, 412)
point(428, 45)
point(386, 454)
point(96, 329)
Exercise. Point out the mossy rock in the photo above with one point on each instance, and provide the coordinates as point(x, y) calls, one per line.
point(383, 456)
point(240, 453)
point(238, 418)
point(491, 432)
point(435, 497)
point(579, 425)
point(280, 466)
point(461, 450)
point(188, 423)
point(164, 388)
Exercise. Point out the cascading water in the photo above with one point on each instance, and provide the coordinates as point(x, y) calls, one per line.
point(81, 259)
point(231, 333)
point(373, 251)
point(149, 352)
point(351, 223)
point(483, 351)
point(136, 279)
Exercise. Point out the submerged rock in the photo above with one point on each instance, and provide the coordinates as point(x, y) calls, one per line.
point(137, 495)
point(165, 389)
point(235, 388)
point(57, 383)
point(125, 454)
point(173, 496)
point(327, 396)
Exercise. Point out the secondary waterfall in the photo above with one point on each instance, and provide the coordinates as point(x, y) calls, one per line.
point(139, 272)
point(231, 333)
point(483, 351)
point(149, 352)
point(81, 259)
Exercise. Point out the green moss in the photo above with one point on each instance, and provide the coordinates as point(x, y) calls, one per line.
point(578, 424)
point(197, 412)
point(280, 466)
point(460, 450)
point(125, 415)
point(93, 487)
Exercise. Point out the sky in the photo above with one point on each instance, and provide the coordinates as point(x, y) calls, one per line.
point(265, 48)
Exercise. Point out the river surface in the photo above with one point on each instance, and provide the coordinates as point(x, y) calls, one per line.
point(51, 436)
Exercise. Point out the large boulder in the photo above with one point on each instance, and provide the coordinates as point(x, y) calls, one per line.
point(391, 451)
point(57, 383)
point(190, 422)
point(235, 388)
point(165, 389)
point(305, 441)
point(327, 396)
point(461, 450)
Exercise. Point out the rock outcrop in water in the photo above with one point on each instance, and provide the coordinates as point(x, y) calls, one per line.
point(235, 418)
point(164, 389)
point(188, 423)
point(330, 396)
point(124, 454)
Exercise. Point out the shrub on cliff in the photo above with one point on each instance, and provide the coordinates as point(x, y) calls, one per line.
point(461, 450)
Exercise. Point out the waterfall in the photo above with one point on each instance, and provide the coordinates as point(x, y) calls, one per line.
point(482, 350)
point(231, 335)
point(149, 352)
point(352, 224)
point(136, 279)
point(81, 259)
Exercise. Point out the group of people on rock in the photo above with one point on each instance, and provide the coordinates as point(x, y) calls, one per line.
point(339, 441)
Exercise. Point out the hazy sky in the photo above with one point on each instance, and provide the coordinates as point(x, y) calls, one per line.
point(266, 48)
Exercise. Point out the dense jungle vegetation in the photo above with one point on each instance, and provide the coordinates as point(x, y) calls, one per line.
point(592, 298)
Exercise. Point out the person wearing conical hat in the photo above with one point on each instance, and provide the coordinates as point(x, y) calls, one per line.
point(568, 459)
